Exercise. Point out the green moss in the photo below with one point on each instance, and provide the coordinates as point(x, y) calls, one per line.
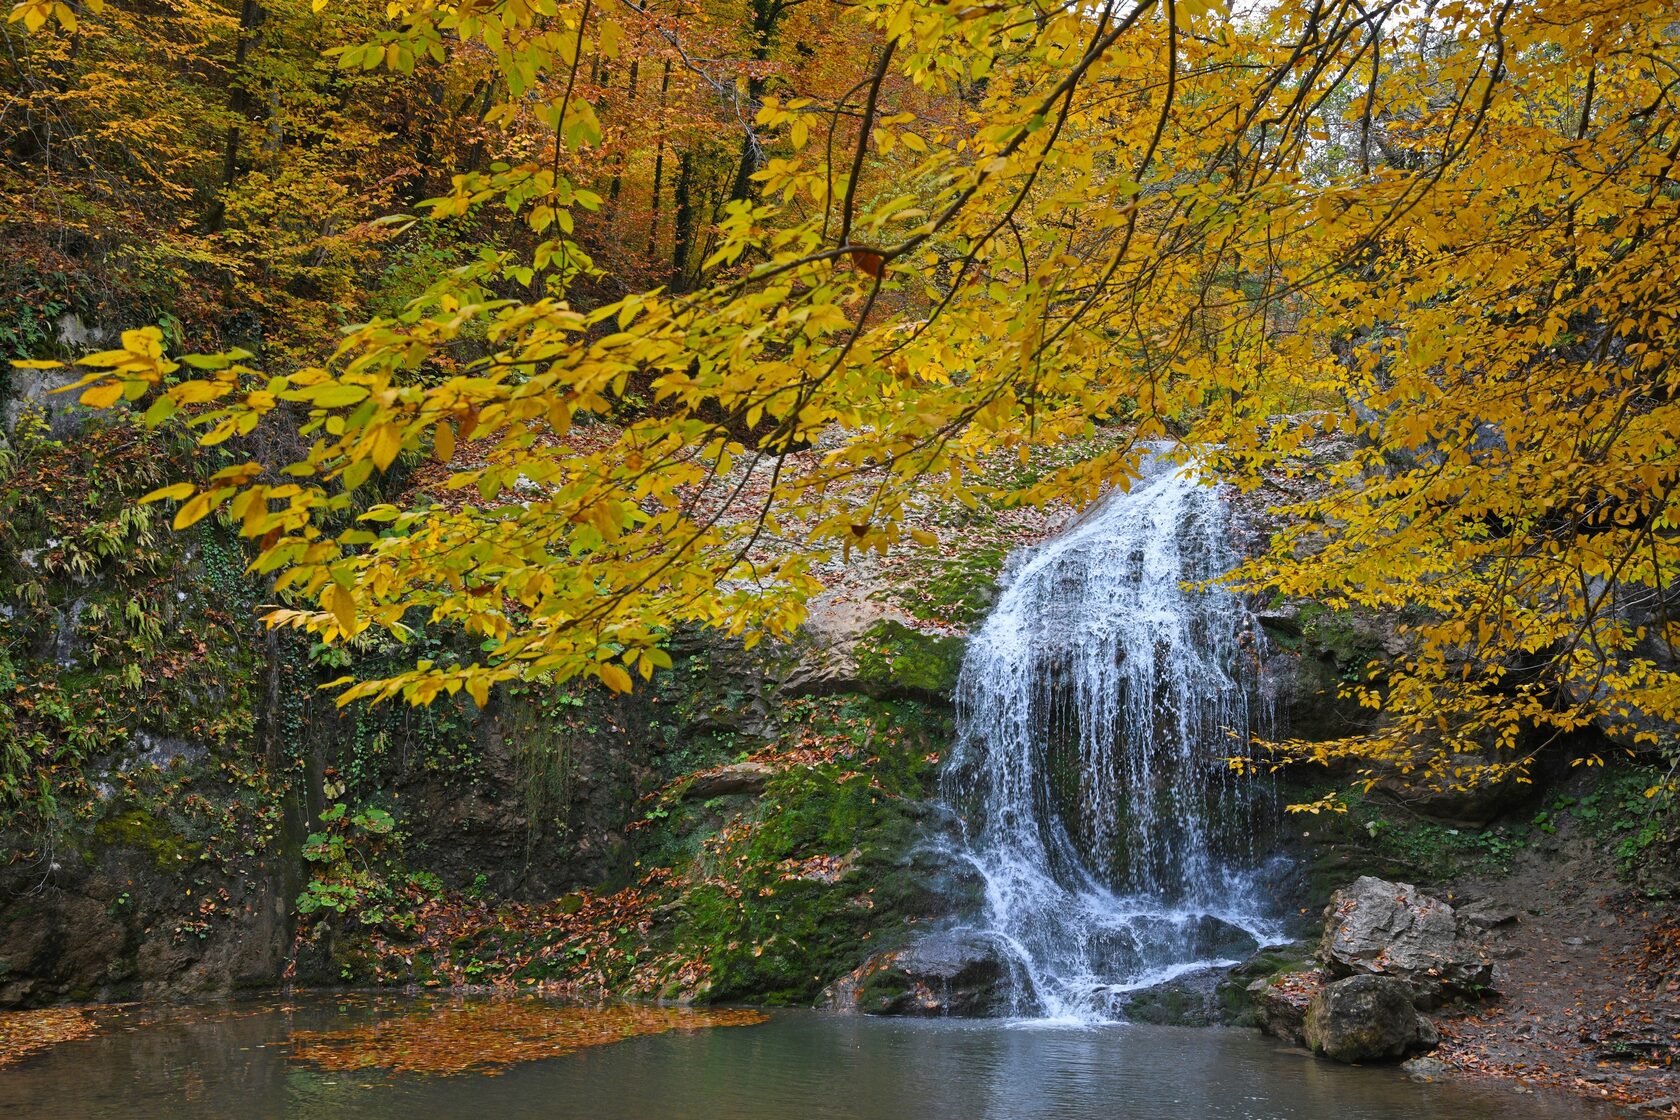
point(1235, 1003)
point(896, 660)
point(958, 590)
point(147, 832)
point(1169, 1006)
point(883, 988)
point(1334, 631)
point(820, 874)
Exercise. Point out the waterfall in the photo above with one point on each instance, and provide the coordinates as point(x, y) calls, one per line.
point(1097, 707)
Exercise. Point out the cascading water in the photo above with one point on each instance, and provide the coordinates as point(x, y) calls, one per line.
point(1097, 707)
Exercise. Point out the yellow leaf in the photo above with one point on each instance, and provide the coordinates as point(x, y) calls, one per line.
point(614, 678)
point(255, 520)
point(342, 603)
point(443, 441)
point(194, 510)
point(174, 493)
point(331, 394)
point(103, 395)
point(34, 16)
point(387, 442)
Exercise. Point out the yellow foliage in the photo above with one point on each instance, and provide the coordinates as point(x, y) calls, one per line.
point(1443, 235)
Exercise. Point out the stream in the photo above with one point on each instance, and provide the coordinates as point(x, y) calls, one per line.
point(236, 1061)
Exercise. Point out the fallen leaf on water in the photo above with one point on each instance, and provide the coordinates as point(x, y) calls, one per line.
point(488, 1036)
point(25, 1032)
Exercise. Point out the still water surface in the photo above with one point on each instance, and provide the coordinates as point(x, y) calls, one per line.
point(234, 1064)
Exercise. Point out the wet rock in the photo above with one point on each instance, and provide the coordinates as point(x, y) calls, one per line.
point(1239, 986)
point(1280, 1003)
point(748, 778)
point(1281, 623)
point(109, 926)
point(955, 973)
point(1366, 1018)
point(1211, 938)
point(1271, 960)
point(1375, 927)
point(1309, 654)
point(1424, 1069)
point(1191, 1000)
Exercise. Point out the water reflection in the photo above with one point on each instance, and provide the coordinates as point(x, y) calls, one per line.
point(235, 1062)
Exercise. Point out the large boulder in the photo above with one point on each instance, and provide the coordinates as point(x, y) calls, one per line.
point(1366, 1019)
point(957, 973)
point(1378, 928)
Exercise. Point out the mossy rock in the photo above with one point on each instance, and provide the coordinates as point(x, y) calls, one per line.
point(959, 590)
point(1234, 999)
point(146, 832)
point(823, 870)
point(1189, 1001)
point(1318, 652)
point(895, 660)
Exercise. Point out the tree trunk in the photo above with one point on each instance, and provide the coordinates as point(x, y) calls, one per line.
point(240, 103)
point(658, 170)
point(685, 226)
point(618, 160)
point(766, 14)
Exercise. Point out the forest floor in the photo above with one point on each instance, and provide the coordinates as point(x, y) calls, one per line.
point(1588, 981)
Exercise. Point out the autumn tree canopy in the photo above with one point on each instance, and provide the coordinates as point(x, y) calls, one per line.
point(912, 233)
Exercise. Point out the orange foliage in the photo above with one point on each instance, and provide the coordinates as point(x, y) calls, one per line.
point(487, 1036)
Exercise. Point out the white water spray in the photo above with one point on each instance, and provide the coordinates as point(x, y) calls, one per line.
point(1097, 707)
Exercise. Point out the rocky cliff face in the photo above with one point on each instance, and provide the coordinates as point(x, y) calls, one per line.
point(165, 762)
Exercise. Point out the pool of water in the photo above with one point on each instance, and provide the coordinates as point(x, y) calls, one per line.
point(236, 1061)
